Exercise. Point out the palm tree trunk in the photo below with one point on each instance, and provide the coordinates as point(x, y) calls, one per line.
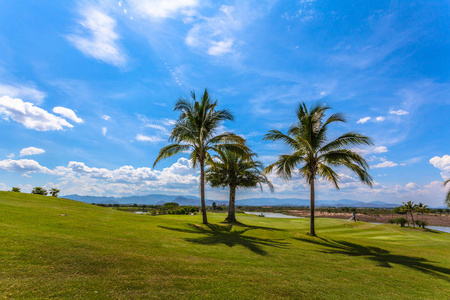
point(231, 206)
point(412, 218)
point(202, 191)
point(312, 205)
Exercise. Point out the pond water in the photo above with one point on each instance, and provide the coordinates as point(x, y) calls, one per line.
point(271, 215)
point(438, 228)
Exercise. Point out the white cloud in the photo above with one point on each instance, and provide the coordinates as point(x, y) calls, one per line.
point(221, 47)
point(411, 185)
point(216, 34)
point(399, 112)
point(106, 117)
point(67, 113)
point(23, 166)
point(385, 164)
point(21, 91)
point(157, 9)
point(79, 178)
point(104, 130)
point(363, 120)
point(152, 139)
point(11, 155)
point(380, 119)
point(371, 150)
point(31, 151)
point(443, 164)
point(98, 37)
point(29, 115)
point(380, 149)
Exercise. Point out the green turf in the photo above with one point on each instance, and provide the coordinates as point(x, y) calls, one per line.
point(97, 252)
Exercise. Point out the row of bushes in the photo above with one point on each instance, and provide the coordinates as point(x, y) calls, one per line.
point(402, 221)
point(39, 191)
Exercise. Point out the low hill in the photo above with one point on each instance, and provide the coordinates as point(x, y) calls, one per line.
point(59, 248)
point(158, 199)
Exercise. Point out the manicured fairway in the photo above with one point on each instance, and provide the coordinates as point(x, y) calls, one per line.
point(101, 253)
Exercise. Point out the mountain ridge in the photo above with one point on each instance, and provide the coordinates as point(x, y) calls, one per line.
point(158, 199)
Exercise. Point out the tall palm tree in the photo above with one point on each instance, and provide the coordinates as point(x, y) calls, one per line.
point(234, 171)
point(196, 131)
point(421, 208)
point(447, 199)
point(409, 207)
point(314, 156)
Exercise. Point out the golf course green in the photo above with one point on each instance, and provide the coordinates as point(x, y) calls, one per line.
point(57, 248)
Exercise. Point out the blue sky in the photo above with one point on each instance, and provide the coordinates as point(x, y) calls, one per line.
point(87, 89)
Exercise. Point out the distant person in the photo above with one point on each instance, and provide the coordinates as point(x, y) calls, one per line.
point(354, 216)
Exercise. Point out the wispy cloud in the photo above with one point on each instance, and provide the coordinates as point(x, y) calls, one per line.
point(399, 112)
point(383, 40)
point(151, 139)
point(157, 9)
point(24, 92)
point(98, 38)
point(385, 164)
point(216, 34)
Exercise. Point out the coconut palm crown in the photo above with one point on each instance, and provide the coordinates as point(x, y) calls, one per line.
point(314, 155)
point(196, 131)
point(234, 171)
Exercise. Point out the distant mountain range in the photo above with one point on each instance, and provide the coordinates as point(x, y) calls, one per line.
point(158, 199)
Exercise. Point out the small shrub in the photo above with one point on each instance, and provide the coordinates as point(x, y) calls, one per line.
point(400, 220)
point(392, 221)
point(421, 223)
point(15, 189)
point(39, 191)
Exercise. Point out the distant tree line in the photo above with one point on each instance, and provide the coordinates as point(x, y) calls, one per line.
point(38, 190)
point(408, 208)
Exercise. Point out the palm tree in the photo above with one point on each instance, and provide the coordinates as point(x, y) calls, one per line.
point(195, 131)
point(54, 192)
point(234, 171)
point(422, 208)
point(447, 199)
point(409, 207)
point(308, 140)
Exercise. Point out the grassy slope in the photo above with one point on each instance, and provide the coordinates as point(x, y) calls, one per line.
point(97, 252)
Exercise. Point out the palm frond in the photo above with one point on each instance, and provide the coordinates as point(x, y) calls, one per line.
point(345, 140)
point(228, 138)
point(169, 151)
point(285, 165)
point(329, 174)
point(341, 156)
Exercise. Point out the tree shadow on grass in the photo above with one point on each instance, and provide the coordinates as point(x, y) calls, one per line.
point(213, 234)
point(240, 224)
point(381, 257)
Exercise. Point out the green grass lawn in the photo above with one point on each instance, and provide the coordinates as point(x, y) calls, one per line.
point(97, 252)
